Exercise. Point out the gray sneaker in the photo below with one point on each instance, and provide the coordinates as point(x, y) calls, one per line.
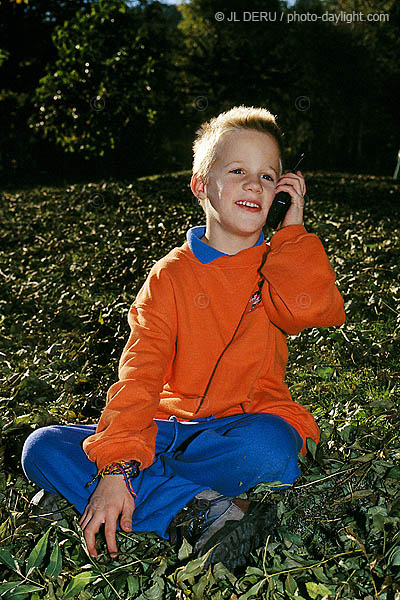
point(230, 527)
point(233, 542)
point(45, 507)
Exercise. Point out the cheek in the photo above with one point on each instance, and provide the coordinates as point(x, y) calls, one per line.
point(231, 187)
point(269, 191)
point(222, 189)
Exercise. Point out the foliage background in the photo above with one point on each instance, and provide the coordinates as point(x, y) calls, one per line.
point(67, 284)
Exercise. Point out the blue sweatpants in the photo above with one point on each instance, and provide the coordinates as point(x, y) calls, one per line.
point(229, 455)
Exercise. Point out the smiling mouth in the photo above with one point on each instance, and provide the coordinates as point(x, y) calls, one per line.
point(249, 205)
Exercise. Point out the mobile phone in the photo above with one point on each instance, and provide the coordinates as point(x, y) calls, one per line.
point(281, 203)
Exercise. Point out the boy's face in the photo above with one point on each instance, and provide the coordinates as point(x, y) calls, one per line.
point(246, 169)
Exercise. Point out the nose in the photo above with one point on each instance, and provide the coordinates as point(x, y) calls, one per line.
point(253, 184)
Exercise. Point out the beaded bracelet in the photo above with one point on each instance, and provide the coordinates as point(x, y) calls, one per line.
point(128, 468)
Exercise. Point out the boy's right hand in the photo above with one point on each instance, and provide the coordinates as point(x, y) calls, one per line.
point(110, 499)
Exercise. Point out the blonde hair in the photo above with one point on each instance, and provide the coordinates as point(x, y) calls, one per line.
point(209, 135)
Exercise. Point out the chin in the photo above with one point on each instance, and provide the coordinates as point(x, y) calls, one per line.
point(249, 231)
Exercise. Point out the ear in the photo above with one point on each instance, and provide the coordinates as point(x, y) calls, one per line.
point(198, 186)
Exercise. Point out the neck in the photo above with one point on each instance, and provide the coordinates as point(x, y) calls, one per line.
point(229, 242)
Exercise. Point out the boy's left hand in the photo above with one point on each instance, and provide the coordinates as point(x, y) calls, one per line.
point(295, 186)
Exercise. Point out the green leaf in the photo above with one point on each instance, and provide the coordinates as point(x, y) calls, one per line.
point(253, 591)
point(394, 473)
point(364, 458)
point(221, 572)
point(78, 583)
point(18, 589)
point(394, 557)
point(290, 584)
point(4, 587)
point(184, 573)
point(55, 565)
point(319, 573)
point(379, 516)
point(7, 559)
point(254, 571)
point(311, 447)
point(37, 555)
point(325, 372)
point(22, 590)
point(156, 590)
point(199, 588)
point(162, 567)
point(185, 550)
point(317, 589)
point(206, 581)
point(133, 584)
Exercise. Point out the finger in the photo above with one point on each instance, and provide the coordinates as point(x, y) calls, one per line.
point(84, 516)
point(126, 518)
point(90, 537)
point(303, 187)
point(292, 178)
point(294, 194)
point(110, 529)
point(297, 175)
point(291, 174)
point(85, 521)
point(294, 182)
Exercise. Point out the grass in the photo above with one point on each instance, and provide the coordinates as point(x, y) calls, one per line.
point(73, 259)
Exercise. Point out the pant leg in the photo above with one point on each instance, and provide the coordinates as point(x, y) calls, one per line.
point(233, 454)
point(53, 458)
point(229, 455)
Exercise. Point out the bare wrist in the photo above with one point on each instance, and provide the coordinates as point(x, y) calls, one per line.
point(129, 469)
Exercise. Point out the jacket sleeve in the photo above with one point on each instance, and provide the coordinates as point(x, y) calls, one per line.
point(126, 430)
point(299, 289)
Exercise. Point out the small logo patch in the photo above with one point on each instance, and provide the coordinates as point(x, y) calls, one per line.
point(255, 300)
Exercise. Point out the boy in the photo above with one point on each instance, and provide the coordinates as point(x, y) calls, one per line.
point(201, 413)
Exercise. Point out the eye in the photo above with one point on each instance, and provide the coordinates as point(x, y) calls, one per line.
point(236, 171)
point(268, 177)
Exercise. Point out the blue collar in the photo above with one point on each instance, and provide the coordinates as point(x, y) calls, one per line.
point(203, 251)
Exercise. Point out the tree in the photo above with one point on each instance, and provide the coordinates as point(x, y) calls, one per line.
point(111, 86)
point(323, 79)
point(375, 122)
point(26, 47)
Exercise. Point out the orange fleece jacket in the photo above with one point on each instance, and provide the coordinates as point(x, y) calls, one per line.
point(183, 318)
